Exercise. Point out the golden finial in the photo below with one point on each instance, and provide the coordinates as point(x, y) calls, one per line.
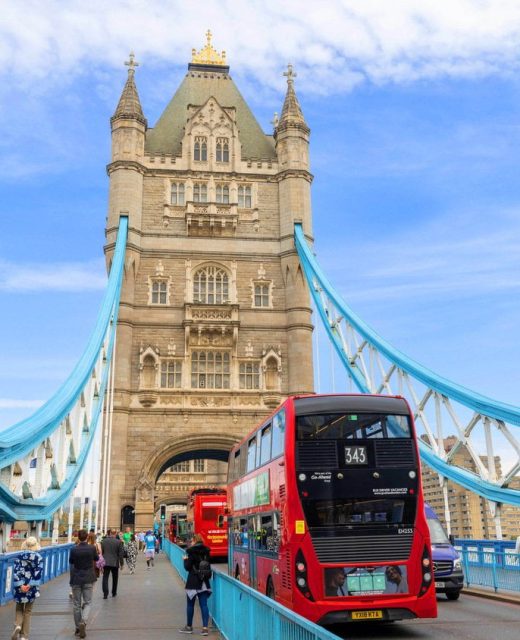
point(208, 55)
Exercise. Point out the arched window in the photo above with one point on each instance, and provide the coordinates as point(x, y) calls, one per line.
point(222, 154)
point(222, 194)
point(211, 286)
point(200, 149)
point(200, 192)
point(177, 193)
point(244, 197)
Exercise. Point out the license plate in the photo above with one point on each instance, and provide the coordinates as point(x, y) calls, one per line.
point(439, 585)
point(366, 615)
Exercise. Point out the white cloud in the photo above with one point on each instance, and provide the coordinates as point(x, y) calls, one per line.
point(13, 403)
point(36, 278)
point(459, 255)
point(342, 41)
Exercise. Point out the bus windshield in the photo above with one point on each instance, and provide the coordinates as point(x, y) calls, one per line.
point(338, 512)
point(349, 426)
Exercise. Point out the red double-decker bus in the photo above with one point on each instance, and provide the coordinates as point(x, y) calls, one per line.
point(327, 513)
point(205, 511)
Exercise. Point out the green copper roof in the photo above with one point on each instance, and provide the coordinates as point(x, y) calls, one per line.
point(200, 84)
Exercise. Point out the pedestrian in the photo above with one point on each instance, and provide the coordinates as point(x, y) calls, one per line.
point(131, 553)
point(82, 559)
point(112, 549)
point(197, 564)
point(100, 562)
point(140, 537)
point(149, 549)
point(27, 576)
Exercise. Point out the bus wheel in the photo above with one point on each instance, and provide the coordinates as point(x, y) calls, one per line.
point(237, 573)
point(269, 591)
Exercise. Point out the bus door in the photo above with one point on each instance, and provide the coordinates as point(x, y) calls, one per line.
point(253, 546)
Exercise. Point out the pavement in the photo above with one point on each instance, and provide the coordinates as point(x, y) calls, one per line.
point(150, 604)
point(511, 597)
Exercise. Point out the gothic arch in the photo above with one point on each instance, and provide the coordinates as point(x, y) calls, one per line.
point(159, 459)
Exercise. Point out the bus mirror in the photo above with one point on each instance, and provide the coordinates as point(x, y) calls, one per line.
point(220, 522)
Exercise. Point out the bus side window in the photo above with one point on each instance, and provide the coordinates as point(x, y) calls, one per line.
point(266, 532)
point(278, 436)
point(251, 454)
point(265, 444)
point(235, 471)
point(274, 543)
point(240, 532)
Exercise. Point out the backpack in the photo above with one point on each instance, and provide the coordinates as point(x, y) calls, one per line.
point(204, 571)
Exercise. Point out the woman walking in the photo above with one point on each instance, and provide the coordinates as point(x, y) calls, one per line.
point(92, 540)
point(132, 551)
point(197, 583)
point(27, 576)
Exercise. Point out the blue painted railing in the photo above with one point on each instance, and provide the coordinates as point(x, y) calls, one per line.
point(484, 567)
point(55, 562)
point(241, 612)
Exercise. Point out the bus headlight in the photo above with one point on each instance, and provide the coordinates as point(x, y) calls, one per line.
point(302, 477)
point(301, 582)
point(427, 577)
point(300, 567)
point(426, 562)
point(412, 474)
point(457, 564)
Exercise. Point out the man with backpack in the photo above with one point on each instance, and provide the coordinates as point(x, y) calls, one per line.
point(197, 564)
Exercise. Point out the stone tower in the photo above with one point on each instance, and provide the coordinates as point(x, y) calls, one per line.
point(215, 322)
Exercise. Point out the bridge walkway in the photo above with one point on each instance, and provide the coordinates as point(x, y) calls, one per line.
point(149, 605)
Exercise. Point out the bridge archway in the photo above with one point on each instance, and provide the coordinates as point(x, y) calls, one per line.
point(190, 447)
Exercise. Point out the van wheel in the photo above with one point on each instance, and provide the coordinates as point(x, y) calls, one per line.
point(270, 592)
point(237, 573)
point(452, 595)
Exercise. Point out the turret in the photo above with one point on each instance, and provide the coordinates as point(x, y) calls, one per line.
point(294, 180)
point(128, 126)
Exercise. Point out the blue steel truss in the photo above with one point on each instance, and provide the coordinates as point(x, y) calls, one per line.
point(49, 436)
point(352, 339)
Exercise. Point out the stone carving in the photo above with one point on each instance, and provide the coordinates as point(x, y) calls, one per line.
point(144, 490)
point(159, 269)
point(172, 347)
point(211, 314)
point(210, 401)
point(249, 349)
point(261, 272)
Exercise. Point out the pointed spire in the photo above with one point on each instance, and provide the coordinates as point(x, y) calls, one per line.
point(129, 106)
point(291, 112)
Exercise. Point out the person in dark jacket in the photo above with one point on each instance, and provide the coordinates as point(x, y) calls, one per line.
point(82, 558)
point(27, 577)
point(195, 587)
point(113, 552)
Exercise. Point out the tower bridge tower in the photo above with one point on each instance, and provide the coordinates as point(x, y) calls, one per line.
point(215, 325)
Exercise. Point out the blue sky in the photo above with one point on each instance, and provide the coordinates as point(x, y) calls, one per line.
point(414, 110)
